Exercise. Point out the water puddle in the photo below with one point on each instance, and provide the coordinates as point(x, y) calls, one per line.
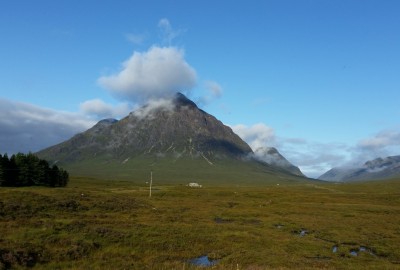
point(367, 250)
point(354, 252)
point(203, 261)
point(301, 233)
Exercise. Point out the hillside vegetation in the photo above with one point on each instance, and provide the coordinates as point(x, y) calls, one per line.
point(96, 224)
point(181, 171)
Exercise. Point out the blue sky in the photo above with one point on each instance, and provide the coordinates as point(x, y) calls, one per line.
point(318, 79)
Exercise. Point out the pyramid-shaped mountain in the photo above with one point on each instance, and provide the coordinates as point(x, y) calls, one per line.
point(172, 137)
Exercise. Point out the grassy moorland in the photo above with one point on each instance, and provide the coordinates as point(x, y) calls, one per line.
point(97, 224)
point(182, 170)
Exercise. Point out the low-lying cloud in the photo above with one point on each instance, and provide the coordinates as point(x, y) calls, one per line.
point(258, 135)
point(157, 73)
point(214, 89)
point(384, 143)
point(100, 110)
point(315, 158)
point(383, 139)
point(26, 127)
point(211, 91)
point(312, 158)
point(152, 106)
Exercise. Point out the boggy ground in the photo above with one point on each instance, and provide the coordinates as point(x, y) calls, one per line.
point(95, 224)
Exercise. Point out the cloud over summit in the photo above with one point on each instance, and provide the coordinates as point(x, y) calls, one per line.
point(99, 109)
point(157, 73)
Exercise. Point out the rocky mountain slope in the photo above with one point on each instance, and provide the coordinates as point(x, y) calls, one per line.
point(379, 168)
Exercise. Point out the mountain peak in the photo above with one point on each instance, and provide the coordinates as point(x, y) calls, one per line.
point(103, 124)
point(181, 100)
point(108, 121)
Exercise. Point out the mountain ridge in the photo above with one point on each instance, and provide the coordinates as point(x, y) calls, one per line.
point(379, 168)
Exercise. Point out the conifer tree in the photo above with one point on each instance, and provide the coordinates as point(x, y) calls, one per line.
point(29, 170)
point(2, 169)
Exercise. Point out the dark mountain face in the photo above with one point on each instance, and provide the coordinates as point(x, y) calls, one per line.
point(379, 168)
point(170, 127)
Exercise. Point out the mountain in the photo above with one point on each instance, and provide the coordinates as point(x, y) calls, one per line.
point(173, 137)
point(379, 168)
point(271, 156)
point(177, 127)
point(337, 174)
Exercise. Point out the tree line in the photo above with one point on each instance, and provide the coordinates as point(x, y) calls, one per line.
point(28, 170)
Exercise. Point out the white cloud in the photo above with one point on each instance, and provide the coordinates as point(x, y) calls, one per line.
point(385, 143)
point(211, 91)
point(258, 135)
point(157, 73)
point(26, 127)
point(314, 158)
point(152, 106)
point(214, 89)
point(100, 109)
point(136, 39)
point(381, 140)
point(167, 32)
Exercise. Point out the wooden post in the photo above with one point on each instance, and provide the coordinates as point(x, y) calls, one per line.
point(151, 182)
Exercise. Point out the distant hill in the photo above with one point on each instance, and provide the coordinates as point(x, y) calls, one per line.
point(172, 137)
point(379, 168)
point(272, 156)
